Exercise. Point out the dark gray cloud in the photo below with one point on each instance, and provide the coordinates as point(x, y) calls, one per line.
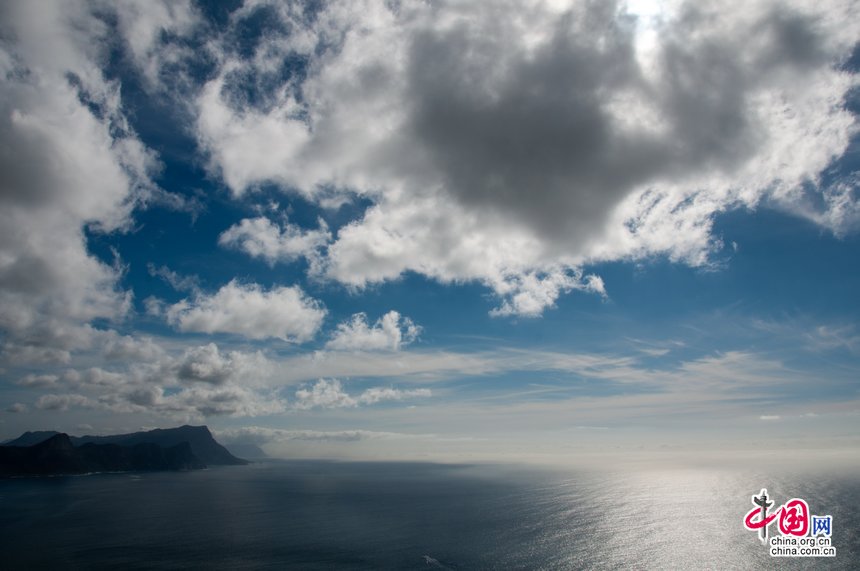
point(534, 133)
point(526, 133)
point(205, 364)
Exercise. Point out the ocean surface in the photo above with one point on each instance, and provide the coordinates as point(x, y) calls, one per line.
point(352, 515)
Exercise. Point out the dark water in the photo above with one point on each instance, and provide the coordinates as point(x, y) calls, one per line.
point(321, 515)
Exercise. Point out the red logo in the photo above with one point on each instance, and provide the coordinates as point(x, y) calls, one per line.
point(793, 516)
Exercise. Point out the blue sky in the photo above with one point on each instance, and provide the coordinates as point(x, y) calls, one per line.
point(433, 230)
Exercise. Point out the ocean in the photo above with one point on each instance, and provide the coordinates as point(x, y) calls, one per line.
point(381, 515)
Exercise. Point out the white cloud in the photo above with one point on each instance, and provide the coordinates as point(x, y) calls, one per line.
point(116, 347)
point(233, 400)
point(207, 381)
point(64, 402)
point(207, 364)
point(386, 334)
point(174, 279)
point(94, 378)
point(378, 394)
point(21, 353)
point(194, 403)
point(70, 161)
point(513, 146)
point(436, 365)
point(250, 147)
point(202, 382)
point(262, 435)
point(248, 310)
point(323, 394)
point(330, 394)
point(528, 294)
point(172, 381)
point(260, 238)
point(33, 380)
point(833, 337)
point(144, 23)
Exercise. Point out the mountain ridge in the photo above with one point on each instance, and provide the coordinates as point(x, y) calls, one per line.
point(58, 456)
point(200, 438)
point(50, 452)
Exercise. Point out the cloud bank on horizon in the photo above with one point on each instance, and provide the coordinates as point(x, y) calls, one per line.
point(201, 204)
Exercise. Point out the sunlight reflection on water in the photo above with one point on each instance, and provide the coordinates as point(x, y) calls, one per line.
point(678, 519)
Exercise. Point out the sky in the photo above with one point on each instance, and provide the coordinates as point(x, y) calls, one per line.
point(433, 229)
